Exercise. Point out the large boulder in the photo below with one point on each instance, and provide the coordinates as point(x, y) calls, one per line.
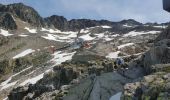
point(159, 54)
point(152, 87)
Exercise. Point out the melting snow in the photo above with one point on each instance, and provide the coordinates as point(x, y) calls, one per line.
point(51, 30)
point(116, 97)
point(50, 37)
point(31, 30)
point(24, 53)
point(106, 26)
point(164, 26)
point(58, 31)
point(23, 35)
point(125, 45)
point(32, 80)
point(109, 38)
point(5, 33)
point(153, 32)
point(9, 85)
point(100, 35)
point(61, 38)
point(115, 35)
point(113, 54)
point(6, 83)
point(5, 98)
point(134, 33)
point(59, 57)
point(127, 25)
point(84, 31)
point(87, 37)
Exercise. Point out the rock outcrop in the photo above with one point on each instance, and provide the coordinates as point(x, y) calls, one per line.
point(52, 81)
point(7, 21)
point(155, 62)
point(58, 22)
point(152, 87)
point(23, 12)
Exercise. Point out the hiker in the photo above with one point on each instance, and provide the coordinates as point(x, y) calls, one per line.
point(120, 61)
point(121, 66)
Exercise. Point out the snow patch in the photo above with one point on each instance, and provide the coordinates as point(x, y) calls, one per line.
point(87, 37)
point(108, 39)
point(58, 31)
point(5, 98)
point(23, 35)
point(50, 37)
point(9, 85)
point(115, 35)
point(13, 18)
point(84, 31)
point(50, 30)
point(153, 32)
point(134, 33)
point(31, 30)
point(60, 57)
point(24, 53)
point(113, 54)
point(125, 25)
point(32, 80)
point(161, 26)
point(105, 26)
point(61, 38)
point(100, 35)
point(125, 45)
point(5, 33)
point(6, 83)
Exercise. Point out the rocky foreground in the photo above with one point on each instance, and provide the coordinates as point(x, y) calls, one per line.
point(144, 78)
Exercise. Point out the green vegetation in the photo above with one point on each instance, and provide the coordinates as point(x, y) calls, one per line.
point(3, 40)
point(15, 65)
point(13, 49)
point(6, 66)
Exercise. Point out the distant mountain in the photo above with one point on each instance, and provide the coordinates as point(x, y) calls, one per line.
point(58, 22)
point(31, 16)
point(130, 22)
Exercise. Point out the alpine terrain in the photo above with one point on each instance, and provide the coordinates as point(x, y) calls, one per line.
point(81, 59)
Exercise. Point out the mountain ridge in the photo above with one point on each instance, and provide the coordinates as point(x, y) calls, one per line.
point(31, 16)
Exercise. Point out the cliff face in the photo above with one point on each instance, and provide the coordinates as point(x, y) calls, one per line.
point(25, 13)
point(165, 35)
point(58, 22)
point(156, 61)
point(7, 21)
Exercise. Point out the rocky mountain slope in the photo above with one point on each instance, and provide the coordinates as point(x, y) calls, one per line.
point(54, 58)
point(155, 86)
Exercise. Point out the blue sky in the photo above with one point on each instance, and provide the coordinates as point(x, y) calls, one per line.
point(114, 10)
